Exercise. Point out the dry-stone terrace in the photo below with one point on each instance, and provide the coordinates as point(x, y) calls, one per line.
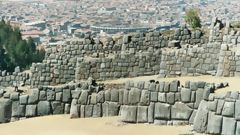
point(141, 102)
point(64, 83)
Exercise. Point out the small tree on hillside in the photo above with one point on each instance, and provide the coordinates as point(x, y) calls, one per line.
point(192, 18)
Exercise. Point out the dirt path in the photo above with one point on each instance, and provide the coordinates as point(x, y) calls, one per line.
point(62, 125)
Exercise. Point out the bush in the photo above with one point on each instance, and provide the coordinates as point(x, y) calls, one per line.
point(192, 18)
point(14, 51)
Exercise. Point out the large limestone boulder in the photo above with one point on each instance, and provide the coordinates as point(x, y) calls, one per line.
point(162, 111)
point(214, 123)
point(129, 114)
point(181, 111)
point(74, 110)
point(200, 121)
point(43, 108)
point(5, 110)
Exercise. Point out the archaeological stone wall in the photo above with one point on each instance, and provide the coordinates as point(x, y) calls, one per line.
point(83, 58)
point(219, 114)
point(15, 78)
point(119, 66)
point(190, 60)
point(160, 103)
point(185, 52)
point(41, 101)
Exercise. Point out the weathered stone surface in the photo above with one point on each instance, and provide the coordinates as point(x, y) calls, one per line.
point(31, 110)
point(97, 110)
point(57, 107)
point(214, 123)
point(88, 111)
point(174, 86)
point(107, 95)
point(82, 111)
point(199, 97)
point(152, 87)
point(5, 110)
point(43, 108)
point(74, 110)
point(160, 122)
point(193, 86)
point(66, 96)
point(185, 95)
point(200, 121)
point(83, 98)
point(93, 99)
point(162, 97)
point(14, 96)
point(142, 114)
point(212, 105)
point(162, 111)
point(51, 95)
point(76, 93)
point(154, 96)
point(220, 105)
point(21, 110)
point(59, 96)
point(151, 112)
point(234, 95)
point(23, 99)
point(238, 128)
point(229, 126)
point(145, 98)
point(125, 97)
point(42, 95)
point(100, 97)
point(177, 97)
point(67, 108)
point(129, 114)
point(33, 98)
point(161, 86)
point(237, 110)
point(228, 109)
point(121, 92)
point(171, 98)
point(15, 108)
point(110, 109)
point(134, 96)
point(114, 95)
point(180, 111)
point(193, 115)
point(206, 93)
point(166, 87)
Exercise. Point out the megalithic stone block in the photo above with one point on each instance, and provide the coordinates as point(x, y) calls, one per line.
point(5, 110)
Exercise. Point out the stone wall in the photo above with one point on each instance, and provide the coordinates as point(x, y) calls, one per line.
point(190, 60)
point(219, 115)
point(15, 78)
point(41, 101)
point(119, 66)
point(184, 52)
point(160, 103)
point(163, 103)
point(82, 58)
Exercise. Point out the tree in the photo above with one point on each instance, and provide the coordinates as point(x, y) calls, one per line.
point(14, 51)
point(192, 18)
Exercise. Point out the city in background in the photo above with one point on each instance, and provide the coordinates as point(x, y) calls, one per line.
point(50, 22)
